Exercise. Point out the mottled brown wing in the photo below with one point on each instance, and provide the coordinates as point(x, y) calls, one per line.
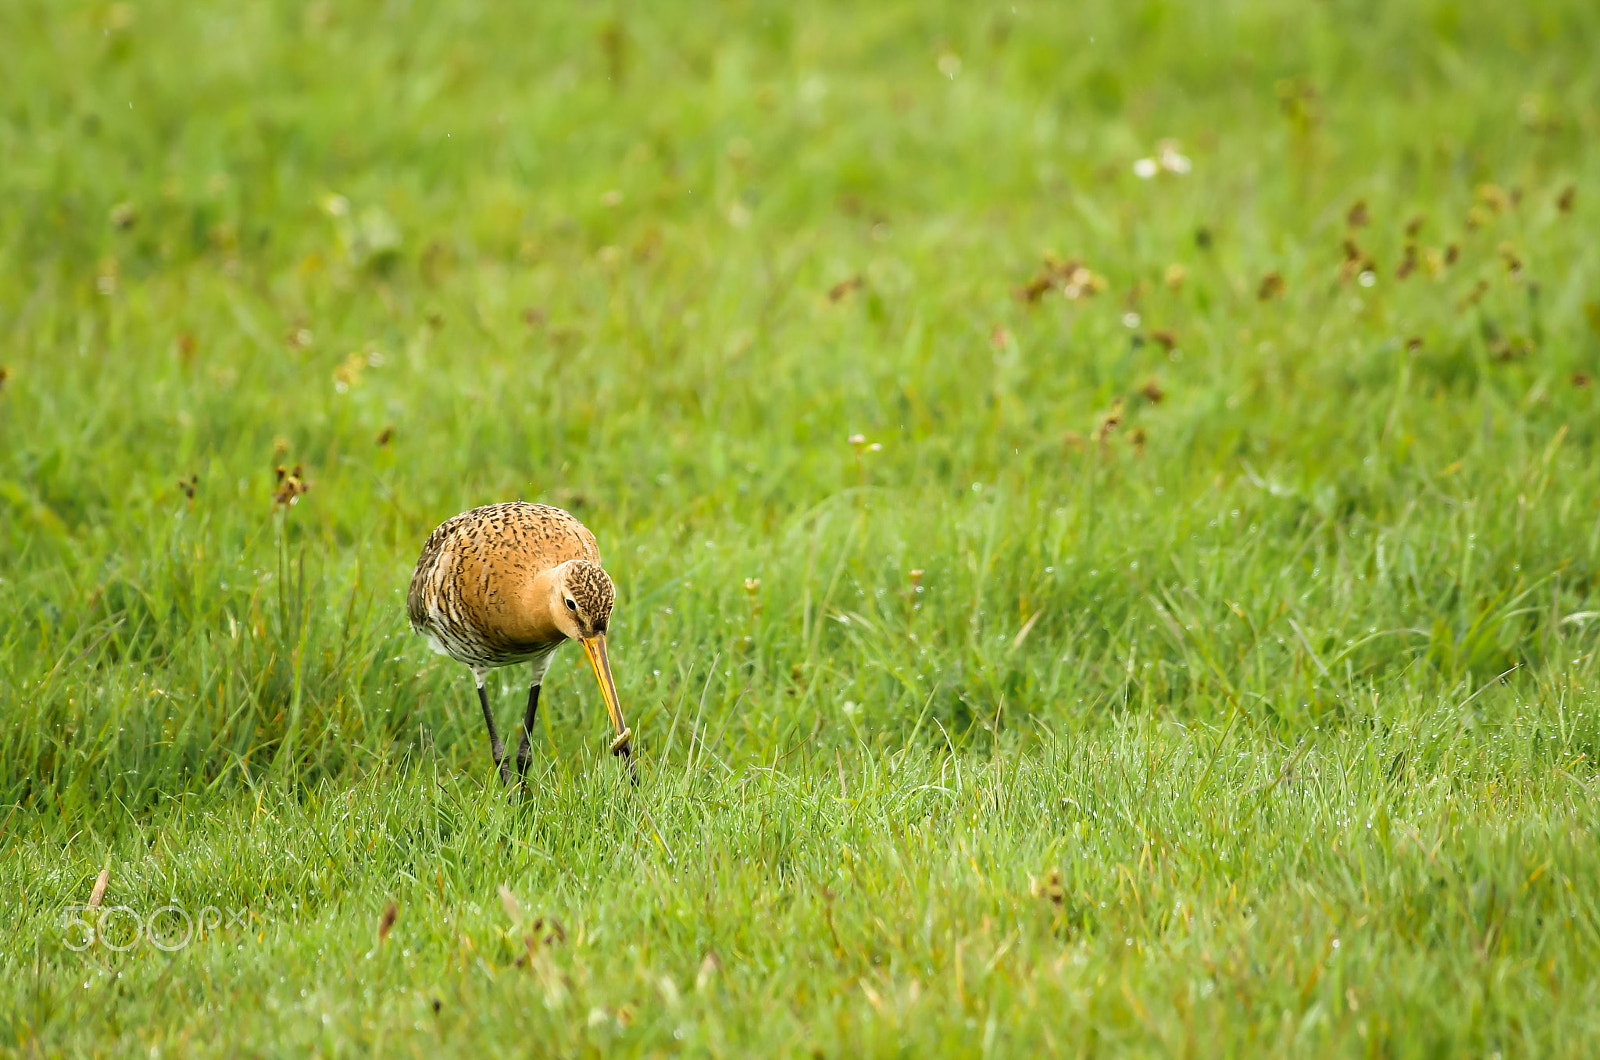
point(557, 534)
point(423, 577)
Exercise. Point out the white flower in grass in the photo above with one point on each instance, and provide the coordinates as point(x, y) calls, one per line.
point(1172, 160)
point(1145, 168)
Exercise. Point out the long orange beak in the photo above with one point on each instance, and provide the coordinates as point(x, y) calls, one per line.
point(595, 648)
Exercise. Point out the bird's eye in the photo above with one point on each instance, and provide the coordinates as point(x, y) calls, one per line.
point(571, 606)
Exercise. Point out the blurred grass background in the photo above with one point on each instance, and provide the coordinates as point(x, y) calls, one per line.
point(1293, 489)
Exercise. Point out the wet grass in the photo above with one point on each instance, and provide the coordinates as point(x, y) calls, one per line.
point(1062, 610)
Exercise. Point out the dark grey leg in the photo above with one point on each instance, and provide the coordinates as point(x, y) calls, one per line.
point(525, 752)
point(496, 748)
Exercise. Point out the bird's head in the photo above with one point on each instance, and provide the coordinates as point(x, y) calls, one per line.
point(582, 595)
point(581, 599)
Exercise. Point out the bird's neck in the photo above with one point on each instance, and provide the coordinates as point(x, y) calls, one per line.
point(527, 620)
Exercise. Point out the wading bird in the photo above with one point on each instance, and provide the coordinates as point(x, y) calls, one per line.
point(511, 583)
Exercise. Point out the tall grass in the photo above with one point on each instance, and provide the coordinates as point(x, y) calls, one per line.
point(1192, 653)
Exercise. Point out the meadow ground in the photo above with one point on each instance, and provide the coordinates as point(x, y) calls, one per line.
point(1194, 655)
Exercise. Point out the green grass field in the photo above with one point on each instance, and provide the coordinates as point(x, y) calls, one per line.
point(1195, 654)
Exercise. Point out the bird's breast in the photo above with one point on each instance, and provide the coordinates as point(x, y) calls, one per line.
point(502, 603)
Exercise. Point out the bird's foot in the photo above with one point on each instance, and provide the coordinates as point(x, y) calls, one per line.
point(621, 745)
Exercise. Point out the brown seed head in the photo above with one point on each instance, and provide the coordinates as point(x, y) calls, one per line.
point(839, 290)
point(1108, 422)
point(1054, 266)
point(1035, 288)
point(1409, 264)
point(1493, 196)
point(1049, 887)
point(548, 931)
point(291, 484)
point(386, 922)
point(1472, 297)
point(1508, 254)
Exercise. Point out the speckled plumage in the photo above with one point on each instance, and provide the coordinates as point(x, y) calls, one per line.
point(466, 592)
point(510, 583)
